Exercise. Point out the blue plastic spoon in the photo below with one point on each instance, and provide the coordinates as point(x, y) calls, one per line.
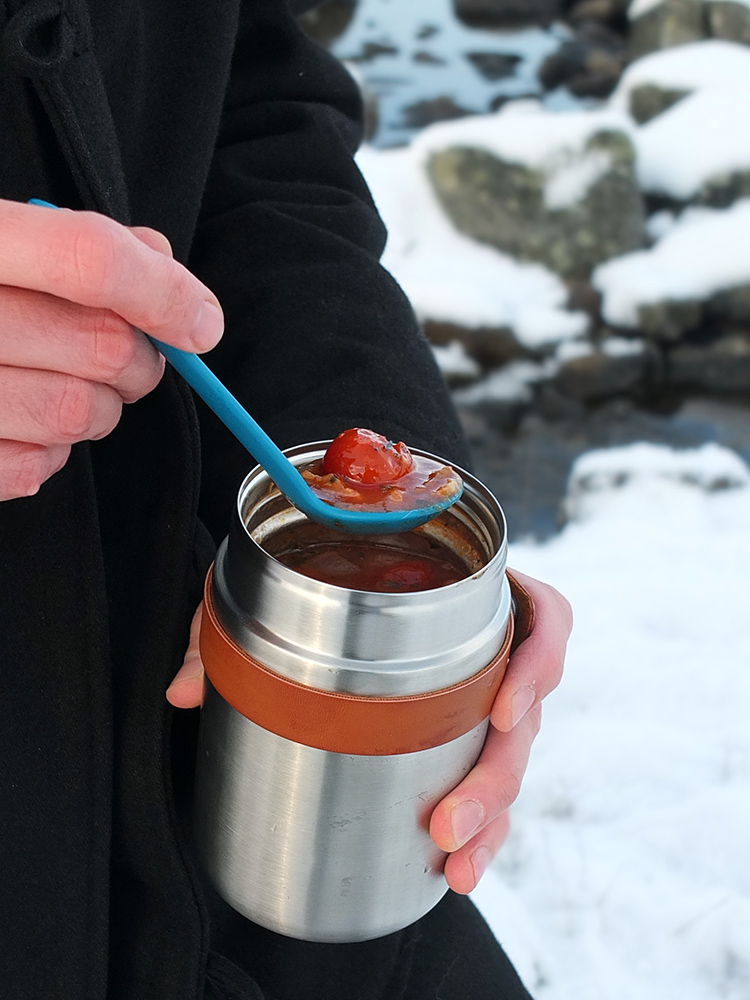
point(288, 479)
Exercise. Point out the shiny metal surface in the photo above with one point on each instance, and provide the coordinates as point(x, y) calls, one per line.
point(355, 641)
point(318, 845)
point(315, 844)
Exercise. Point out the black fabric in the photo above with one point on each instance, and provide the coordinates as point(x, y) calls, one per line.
point(449, 954)
point(219, 124)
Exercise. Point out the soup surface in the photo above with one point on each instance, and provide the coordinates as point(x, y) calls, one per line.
point(384, 564)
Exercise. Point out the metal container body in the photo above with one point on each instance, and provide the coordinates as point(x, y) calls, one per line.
point(318, 845)
point(328, 846)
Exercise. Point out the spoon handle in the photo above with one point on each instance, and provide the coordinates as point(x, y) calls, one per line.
point(235, 417)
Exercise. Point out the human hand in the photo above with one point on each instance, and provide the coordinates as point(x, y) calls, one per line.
point(75, 290)
point(471, 822)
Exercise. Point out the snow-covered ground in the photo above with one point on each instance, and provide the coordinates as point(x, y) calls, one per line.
point(627, 874)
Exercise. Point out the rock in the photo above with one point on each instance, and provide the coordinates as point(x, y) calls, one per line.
point(500, 13)
point(732, 304)
point(500, 100)
point(427, 59)
point(439, 109)
point(574, 61)
point(598, 10)
point(371, 50)
point(326, 22)
point(490, 346)
point(647, 101)
point(729, 20)
point(582, 209)
point(723, 190)
point(616, 366)
point(669, 23)
point(583, 297)
point(670, 319)
point(720, 366)
point(494, 65)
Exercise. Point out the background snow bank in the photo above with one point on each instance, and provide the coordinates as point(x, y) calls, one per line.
point(626, 875)
point(706, 251)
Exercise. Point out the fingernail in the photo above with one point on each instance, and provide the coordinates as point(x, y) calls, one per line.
point(209, 326)
point(466, 818)
point(522, 701)
point(479, 861)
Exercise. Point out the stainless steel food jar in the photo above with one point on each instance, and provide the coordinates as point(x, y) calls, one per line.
point(335, 720)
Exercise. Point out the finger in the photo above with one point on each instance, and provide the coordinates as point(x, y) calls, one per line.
point(92, 260)
point(48, 408)
point(47, 333)
point(489, 789)
point(465, 867)
point(186, 690)
point(24, 467)
point(536, 666)
point(152, 238)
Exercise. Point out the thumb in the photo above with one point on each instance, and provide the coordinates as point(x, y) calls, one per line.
point(186, 689)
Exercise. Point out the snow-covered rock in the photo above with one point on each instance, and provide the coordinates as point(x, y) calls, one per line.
point(455, 280)
point(557, 188)
point(705, 257)
point(660, 24)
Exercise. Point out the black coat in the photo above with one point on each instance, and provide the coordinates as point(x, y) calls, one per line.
point(219, 124)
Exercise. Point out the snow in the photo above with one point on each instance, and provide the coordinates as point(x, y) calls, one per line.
point(701, 137)
point(552, 142)
point(695, 66)
point(640, 7)
point(452, 359)
point(626, 874)
point(451, 278)
point(509, 384)
point(706, 251)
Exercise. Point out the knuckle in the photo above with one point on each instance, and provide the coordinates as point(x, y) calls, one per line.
point(87, 260)
point(113, 345)
point(73, 410)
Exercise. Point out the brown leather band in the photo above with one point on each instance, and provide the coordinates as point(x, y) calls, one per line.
point(345, 723)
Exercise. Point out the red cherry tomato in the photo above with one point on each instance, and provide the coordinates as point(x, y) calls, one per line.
point(363, 456)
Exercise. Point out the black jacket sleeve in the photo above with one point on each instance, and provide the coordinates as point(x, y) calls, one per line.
point(319, 336)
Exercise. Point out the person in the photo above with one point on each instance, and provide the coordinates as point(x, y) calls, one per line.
point(204, 156)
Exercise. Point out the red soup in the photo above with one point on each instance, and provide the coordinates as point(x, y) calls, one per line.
point(385, 563)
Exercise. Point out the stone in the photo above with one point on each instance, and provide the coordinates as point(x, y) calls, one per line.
point(492, 347)
point(603, 372)
point(439, 109)
point(647, 101)
point(576, 59)
point(732, 304)
point(501, 13)
point(326, 22)
point(598, 10)
point(723, 190)
point(669, 23)
point(729, 20)
point(720, 366)
point(494, 65)
point(505, 205)
point(669, 320)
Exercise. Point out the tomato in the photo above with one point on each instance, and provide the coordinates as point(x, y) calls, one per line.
point(362, 456)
